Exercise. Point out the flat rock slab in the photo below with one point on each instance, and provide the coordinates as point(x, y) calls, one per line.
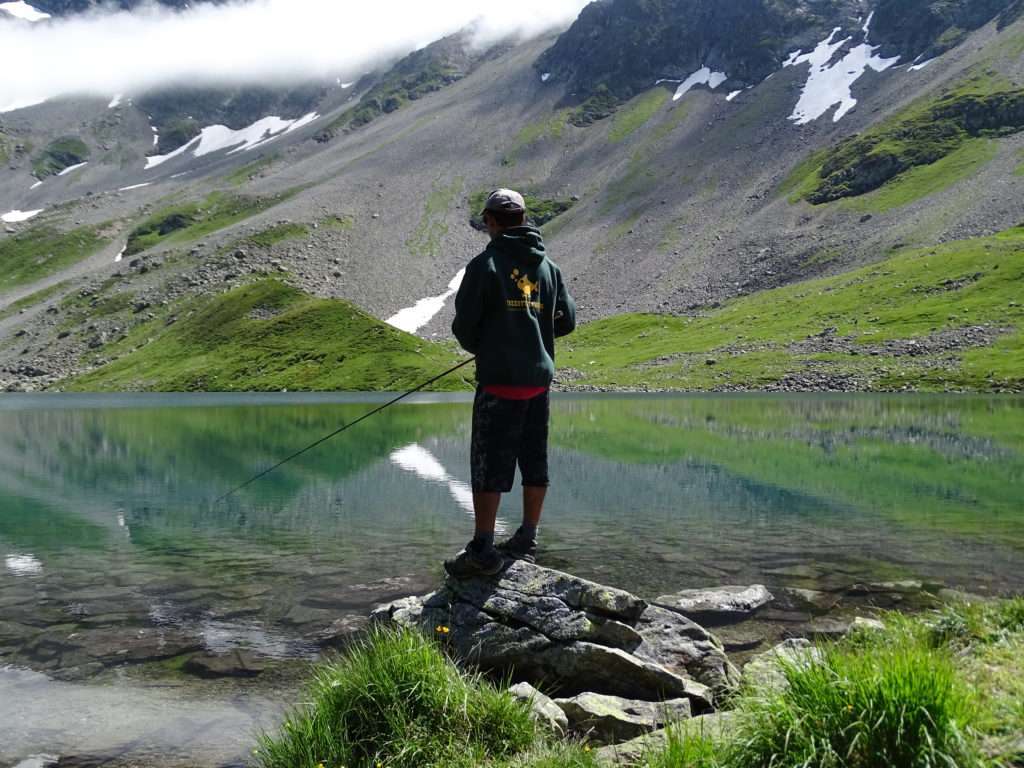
point(719, 605)
point(613, 719)
point(575, 636)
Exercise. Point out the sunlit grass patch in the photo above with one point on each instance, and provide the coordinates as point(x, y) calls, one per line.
point(396, 700)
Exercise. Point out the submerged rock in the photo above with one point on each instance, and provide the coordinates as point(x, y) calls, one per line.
point(234, 664)
point(576, 636)
point(720, 605)
point(611, 719)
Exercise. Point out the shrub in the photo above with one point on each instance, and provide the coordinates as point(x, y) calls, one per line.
point(396, 700)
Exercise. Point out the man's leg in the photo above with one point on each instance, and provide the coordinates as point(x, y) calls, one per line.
point(533, 505)
point(533, 463)
point(485, 510)
point(497, 425)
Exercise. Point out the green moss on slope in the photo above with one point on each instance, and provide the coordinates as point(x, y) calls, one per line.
point(924, 134)
point(42, 251)
point(188, 221)
point(59, 154)
point(540, 210)
point(268, 336)
point(754, 342)
point(637, 114)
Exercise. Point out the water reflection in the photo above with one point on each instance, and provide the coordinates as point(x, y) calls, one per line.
point(116, 561)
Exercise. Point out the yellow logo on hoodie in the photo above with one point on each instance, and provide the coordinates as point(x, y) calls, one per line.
point(528, 289)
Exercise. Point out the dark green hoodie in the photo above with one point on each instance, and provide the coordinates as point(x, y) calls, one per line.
point(510, 308)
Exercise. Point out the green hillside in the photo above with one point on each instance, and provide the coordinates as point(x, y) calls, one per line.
point(268, 336)
point(927, 319)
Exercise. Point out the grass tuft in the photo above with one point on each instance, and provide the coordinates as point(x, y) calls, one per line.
point(395, 700)
point(895, 704)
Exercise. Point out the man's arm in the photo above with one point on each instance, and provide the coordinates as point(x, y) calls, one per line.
point(565, 309)
point(469, 308)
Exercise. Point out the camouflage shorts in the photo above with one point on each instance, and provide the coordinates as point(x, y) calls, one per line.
point(507, 433)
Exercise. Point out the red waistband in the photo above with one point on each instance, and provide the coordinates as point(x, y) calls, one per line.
point(513, 392)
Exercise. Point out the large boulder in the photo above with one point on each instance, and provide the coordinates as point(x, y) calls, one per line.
point(721, 605)
point(541, 625)
point(613, 719)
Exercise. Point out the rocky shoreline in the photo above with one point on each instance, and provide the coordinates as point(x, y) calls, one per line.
point(616, 669)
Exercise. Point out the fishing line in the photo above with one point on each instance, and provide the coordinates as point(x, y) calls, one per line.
point(338, 431)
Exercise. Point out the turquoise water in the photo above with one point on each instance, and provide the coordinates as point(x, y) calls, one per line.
point(117, 566)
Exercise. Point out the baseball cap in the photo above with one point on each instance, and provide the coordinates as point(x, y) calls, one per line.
point(505, 200)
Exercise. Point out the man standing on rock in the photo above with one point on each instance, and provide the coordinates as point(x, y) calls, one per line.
point(510, 308)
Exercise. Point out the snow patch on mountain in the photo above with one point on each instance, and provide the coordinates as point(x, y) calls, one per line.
point(116, 101)
point(411, 319)
point(135, 186)
point(829, 85)
point(919, 67)
point(24, 11)
point(703, 76)
point(14, 217)
point(72, 168)
point(215, 138)
point(35, 186)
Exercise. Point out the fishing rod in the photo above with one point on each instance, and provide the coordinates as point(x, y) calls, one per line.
point(341, 429)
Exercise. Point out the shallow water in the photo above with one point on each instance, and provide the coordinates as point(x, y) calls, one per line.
point(117, 566)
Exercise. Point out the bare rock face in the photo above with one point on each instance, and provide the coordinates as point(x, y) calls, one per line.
point(721, 605)
point(576, 636)
point(612, 719)
point(767, 671)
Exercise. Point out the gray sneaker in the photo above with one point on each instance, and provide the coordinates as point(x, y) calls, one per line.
point(519, 547)
point(471, 562)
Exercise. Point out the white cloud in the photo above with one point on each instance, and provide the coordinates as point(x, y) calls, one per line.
point(263, 41)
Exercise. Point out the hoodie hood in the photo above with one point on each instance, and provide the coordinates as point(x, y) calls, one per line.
point(522, 243)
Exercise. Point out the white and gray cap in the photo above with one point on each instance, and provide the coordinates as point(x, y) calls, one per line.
point(505, 201)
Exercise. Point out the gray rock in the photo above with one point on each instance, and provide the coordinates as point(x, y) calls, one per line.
point(576, 636)
point(544, 709)
point(612, 719)
point(767, 670)
point(794, 599)
point(721, 604)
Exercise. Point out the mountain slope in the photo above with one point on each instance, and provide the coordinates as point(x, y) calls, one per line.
point(676, 201)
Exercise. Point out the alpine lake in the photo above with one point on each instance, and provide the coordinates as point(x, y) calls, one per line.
point(144, 623)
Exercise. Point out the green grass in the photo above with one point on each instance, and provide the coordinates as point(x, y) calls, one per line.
point(395, 700)
point(547, 129)
point(267, 336)
point(341, 222)
point(31, 300)
point(185, 222)
point(425, 242)
point(926, 147)
point(42, 250)
point(278, 233)
point(636, 114)
point(903, 297)
point(887, 704)
point(1019, 170)
point(59, 154)
point(924, 180)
